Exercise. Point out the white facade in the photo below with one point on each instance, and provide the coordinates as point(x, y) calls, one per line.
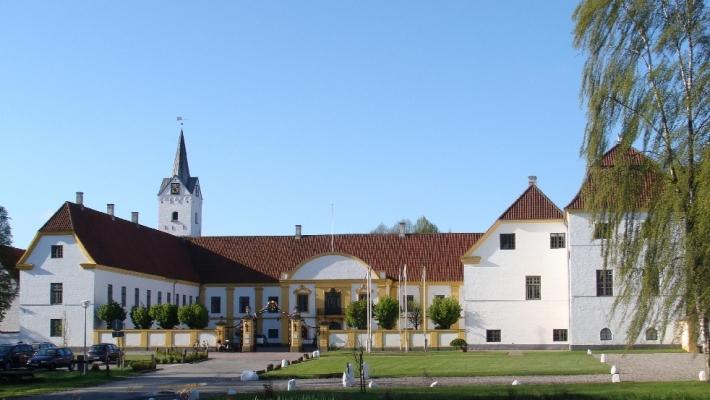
point(495, 292)
point(179, 211)
point(591, 312)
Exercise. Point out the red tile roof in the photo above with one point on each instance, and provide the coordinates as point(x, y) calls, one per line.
point(122, 244)
point(8, 258)
point(264, 258)
point(119, 243)
point(532, 204)
point(629, 157)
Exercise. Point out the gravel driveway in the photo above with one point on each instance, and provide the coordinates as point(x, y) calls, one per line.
point(657, 366)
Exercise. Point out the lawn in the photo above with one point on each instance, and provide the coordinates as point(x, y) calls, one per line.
point(54, 381)
point(450, 364)
point(622, 391)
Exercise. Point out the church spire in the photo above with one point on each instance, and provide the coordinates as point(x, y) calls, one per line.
point(180, 167)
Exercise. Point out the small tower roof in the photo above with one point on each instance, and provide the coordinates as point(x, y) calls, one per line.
point(180, 168)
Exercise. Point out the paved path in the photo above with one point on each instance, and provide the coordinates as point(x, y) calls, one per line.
point(222, 371)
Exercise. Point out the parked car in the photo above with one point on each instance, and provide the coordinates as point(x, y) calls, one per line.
point(98, 352)
point(15, 355)
point(261, 339)
point(51, 358)
point(37, 346)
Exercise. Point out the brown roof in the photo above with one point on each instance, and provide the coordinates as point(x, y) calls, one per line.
point(532, 204)
point(119, 243)
point(630, 156)
point(264, 258)
point(8, 258)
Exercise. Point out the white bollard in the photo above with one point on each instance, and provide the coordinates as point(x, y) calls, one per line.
point(434, 384)
point(371, 384)
point(603, 358)
point(516, 383)
point(614, 370)
point(284, 363)
point(366, 370)
point(616, 378)
point(248, 375)
point(291, 386)
point(702, 376)
point(346, 380)
point(589, 352)
point(316, 354)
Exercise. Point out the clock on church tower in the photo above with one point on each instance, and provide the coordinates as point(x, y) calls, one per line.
point(175, 188)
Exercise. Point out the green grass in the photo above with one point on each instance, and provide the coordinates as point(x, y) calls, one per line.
point(622, 391)
point(54, 381)
point(450, 364)
point(138, 356)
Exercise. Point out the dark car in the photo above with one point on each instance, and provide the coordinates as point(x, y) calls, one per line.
point(51, 358)
point(37, 346)
point(100, 352)
point(15, 355)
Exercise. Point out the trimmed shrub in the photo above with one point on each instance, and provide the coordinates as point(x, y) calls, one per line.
point(386, 312)
point(140, 316)
point(109, 312)
point(165, 315)
point(445, 312)
point(142, 365)
point(195, 316)
point(356, 314)
point(459, 344)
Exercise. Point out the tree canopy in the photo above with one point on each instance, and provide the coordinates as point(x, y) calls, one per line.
point(8, 287)
point(646, 83)
point(386, 312)
point(423, 225)
point(5, 230)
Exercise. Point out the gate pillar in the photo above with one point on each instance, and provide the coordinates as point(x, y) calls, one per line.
point(296, 338)
point(248, 334)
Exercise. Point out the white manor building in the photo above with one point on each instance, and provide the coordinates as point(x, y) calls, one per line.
point(534, 279)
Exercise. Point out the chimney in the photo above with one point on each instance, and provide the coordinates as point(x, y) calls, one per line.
point(134, 217)
point(80, 198)
point(401, 229)
point(109, 210)
point(298, 232)
point(532, 180)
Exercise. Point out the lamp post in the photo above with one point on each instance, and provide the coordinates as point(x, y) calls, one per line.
point(85, 305)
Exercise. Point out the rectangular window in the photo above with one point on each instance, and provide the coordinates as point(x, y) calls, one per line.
point(439, 296)
point(136, 297)
point(109, 293)
point(216, 305)
point(302, 302)
point(56, 293)
point(147, 298)
point(492, 335)
point(507, 241)
point(559, 335)
point(183, 299)
point(57, 251)
point(602, 230)
point(274, 299)
point(55, 328)
point(160, 297)
point(169, 300)
point(190, 300)
point(605, 282)
point(532, 287)
point(410, 300)
point(362, 296)
point(557, 240)
point(273, 333)
point(243, 303)
point(123, 296)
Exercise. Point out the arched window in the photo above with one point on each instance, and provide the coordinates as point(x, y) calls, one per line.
point(651, 334)
point(605, 334)
point(175, 215)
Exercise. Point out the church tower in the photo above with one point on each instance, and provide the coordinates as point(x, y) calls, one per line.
point(180, 198)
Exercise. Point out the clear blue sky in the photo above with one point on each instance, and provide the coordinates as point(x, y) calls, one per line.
point(386, 109)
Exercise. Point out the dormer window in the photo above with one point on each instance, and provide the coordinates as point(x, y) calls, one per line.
point(175, 215)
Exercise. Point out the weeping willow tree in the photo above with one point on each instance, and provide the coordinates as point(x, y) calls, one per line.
point(645, 83)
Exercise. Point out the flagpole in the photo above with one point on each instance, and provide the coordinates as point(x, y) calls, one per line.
point(399, 307)
point(369, 310)
point(424, 305)
point(406, 322)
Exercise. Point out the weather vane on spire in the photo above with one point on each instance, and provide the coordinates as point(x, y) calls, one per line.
point(180, 120)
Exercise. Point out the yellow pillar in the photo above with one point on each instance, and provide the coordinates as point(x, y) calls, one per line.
point(168, 337)
point(144, 338)
point(323, 337)
point(230, 305)
point(247, 335)
point(296, 339)
point(285, 307)
point(377, 339)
